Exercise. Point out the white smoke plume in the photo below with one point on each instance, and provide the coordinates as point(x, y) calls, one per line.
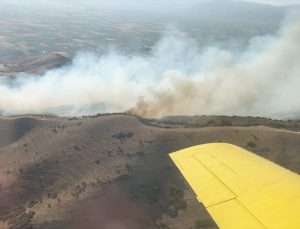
point(176, 78)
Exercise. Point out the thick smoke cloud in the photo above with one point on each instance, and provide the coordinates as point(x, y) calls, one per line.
point(177, 78)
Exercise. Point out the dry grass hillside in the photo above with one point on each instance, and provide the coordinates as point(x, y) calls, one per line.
point(113, 171)
point(36, 64)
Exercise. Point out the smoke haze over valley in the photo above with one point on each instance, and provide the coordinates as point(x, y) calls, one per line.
point(177, 72)
point(176, 78)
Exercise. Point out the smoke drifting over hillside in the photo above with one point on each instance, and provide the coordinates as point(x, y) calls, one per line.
point(177, 78)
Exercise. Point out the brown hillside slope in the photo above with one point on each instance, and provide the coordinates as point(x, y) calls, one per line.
point(33, 64)
point(112, 171)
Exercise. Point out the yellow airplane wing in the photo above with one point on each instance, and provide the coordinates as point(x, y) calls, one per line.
point(240, 189)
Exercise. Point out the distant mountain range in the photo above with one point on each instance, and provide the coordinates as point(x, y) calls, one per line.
point(236, 13)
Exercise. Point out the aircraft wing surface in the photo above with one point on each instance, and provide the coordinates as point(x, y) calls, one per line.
point(240, 189)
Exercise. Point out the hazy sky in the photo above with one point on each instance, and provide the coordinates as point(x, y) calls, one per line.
point(277, 2)
point(273, 2)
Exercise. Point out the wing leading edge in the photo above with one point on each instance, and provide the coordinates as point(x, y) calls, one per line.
point(240, 189)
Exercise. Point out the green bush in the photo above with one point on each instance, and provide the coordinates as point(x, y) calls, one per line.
point(204, 223)
point(251, 144)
